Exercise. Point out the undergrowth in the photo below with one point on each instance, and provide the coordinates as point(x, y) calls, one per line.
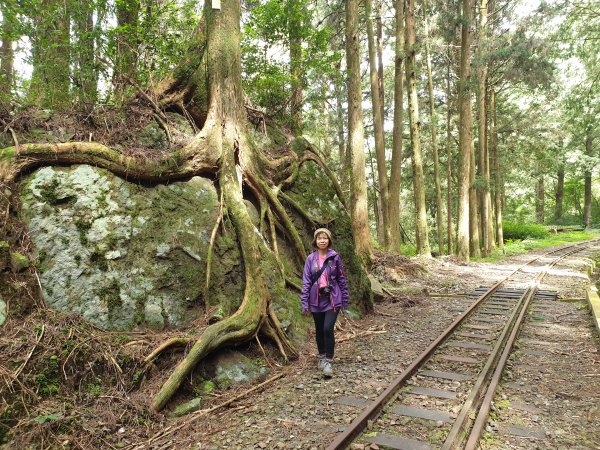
point(517, 247)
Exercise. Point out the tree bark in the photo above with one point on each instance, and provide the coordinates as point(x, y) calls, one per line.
point(356, 138)
point(474, 219)
point(378, 129)
point(465, 133)
point(415, 135)
point(397, 137)
point(434, 141)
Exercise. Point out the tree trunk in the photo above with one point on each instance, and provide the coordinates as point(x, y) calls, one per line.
point(343, 160)
point(587, 196)
point(539, 200)
point(125, 67)
point(474, 221)
point(378, 129)
point(7, 56)
point(379, 34)
point(415, 136)
point(482, 80)
point(497, 167)
point(464, 133)
point(356, 138)
point(397, 137)
point(434, 142)
point(449, 208)
point(295, 39)
point(50, 78)
point(85, 76)
point(560, 193)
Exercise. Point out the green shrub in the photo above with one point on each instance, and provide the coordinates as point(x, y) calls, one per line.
point(520, 231)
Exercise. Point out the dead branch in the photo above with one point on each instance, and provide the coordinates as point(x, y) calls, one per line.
point(22, 366)
point(162, 347)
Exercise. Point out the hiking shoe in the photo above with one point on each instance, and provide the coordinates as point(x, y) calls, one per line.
point(327, 368)
point(321, 362)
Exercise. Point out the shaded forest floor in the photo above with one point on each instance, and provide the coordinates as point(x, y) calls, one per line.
point(69, 385)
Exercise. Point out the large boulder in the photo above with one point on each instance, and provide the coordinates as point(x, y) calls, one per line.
point(121, 254)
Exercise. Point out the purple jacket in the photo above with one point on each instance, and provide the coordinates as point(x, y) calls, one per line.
point(337, 281)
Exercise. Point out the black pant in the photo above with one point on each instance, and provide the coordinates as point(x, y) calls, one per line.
point(324, 324)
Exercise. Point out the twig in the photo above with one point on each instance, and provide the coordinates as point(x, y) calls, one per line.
point(388, 292)
point(262, 350)
point(362, 334)
point(202, 412)
point(22, 366)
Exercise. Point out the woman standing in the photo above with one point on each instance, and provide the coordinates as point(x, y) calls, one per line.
point(324, 293)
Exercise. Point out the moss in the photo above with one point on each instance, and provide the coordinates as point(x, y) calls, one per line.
point(110, 295)
point(83, 226)
point(7, 154)
point(50, 192)
point(97, 258)
point(19, 262)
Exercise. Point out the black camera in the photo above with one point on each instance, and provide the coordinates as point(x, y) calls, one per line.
point(324, 291)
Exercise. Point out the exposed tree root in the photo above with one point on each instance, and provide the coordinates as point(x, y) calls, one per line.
point(165, 345)
point(211, 245)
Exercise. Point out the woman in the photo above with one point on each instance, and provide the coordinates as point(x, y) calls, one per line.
point(324, 293)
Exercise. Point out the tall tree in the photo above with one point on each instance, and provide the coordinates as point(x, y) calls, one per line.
point(540, 194)
point(434, 140)
point(397, 135)
point(356, 137)
point(497, 167)
point(465, 144)
point(378, 128)
point(295, 10)
point(484, 162)
point(415, 134)
point(51, 58)
point(85, 71)
point(8, 8)
point(127, 43)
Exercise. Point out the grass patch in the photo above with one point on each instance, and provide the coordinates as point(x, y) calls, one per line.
point(517, 247)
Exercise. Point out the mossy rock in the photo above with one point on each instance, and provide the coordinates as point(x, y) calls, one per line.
point(19, 262)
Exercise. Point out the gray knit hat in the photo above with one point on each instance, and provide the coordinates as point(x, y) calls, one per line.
point(322, 230)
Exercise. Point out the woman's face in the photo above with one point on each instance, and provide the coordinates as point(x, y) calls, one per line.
point(322, 241)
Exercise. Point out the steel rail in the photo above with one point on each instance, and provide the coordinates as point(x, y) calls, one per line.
point(455, 435)
point(343, 439)
point(482, 415)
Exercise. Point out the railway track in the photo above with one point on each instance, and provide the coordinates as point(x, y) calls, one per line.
point(442, 400)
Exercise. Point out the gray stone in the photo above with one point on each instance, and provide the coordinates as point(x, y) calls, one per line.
point(377, 288)
point(120, 254)
point(233, 368)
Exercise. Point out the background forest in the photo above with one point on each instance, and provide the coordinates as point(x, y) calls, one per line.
point(528, 72)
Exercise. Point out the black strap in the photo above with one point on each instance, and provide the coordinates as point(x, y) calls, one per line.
point(320, 272)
